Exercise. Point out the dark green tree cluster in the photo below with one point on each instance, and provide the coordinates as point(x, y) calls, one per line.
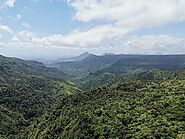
point(128, 96)
point(135, 109)
point(27, 90)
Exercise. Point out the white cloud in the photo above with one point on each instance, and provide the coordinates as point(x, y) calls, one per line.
point(18, 16)
point(89, 38)
point(6, 29)
point(26, 25)
point(151, 44)
point(148, 44)
point(122, 17)
point(1, 44)
point(124, 12)
point(25, 37)
point(9, 3)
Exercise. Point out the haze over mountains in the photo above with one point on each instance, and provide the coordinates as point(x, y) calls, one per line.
point(121, 63)
point(77, 58)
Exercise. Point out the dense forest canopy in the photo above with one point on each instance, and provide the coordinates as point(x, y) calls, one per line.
point(110, 96)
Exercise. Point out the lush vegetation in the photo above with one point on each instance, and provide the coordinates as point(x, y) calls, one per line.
point(139, 109)
point(27, 90)
point(127, 96)
point(89, 64)
point(123, 63)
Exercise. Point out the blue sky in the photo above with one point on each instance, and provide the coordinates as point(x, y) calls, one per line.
point(61, 28)
point(43, 16)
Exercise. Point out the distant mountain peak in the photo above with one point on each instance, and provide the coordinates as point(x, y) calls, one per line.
point(85, 54)
point(77, 58)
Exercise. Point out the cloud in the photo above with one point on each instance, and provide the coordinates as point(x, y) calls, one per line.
point(151, 44)
point(122, 17)
point(6, 29)
point(89, 38)
point(18, 16)
point(9, 3)
point(147, 44)
point(26, 25)
point(80, 39)
point(26, 38)
point(124, 12)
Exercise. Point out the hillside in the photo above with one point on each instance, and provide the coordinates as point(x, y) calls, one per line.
point(117, 68)
point(76, 58)
point(139, 102)
point(89, 64)
point(125, 110)
point(18, 67)
point(27, 89)
point(122, 63)
point(147, 62)
point(11, 122)
point(97, 79)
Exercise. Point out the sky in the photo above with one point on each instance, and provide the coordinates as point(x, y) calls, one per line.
point(62, 28)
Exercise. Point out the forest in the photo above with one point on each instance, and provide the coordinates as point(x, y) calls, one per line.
point(100, 97)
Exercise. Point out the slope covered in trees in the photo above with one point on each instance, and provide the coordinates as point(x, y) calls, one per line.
point(147, 62)
point(116, 68)
point(123, 63)
point(89, 64)
point(140, 109)
point(27, 89)
point(127, 96)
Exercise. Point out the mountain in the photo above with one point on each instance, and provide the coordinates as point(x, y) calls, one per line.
point(77, 58)
point(27, 89)
point(110, 96)
point(19, 67)
point(122, 63)
point(131, 67)
point(147, 62)
point(134, 109)
point(80, 57)
point(89, 64)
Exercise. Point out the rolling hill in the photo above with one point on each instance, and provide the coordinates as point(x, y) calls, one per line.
point(89, 64)
point(147, 62)
point(127, 96)
point(96, 71)
point(27, 89)
point(122, 63)
point(77, 58)
point(135, 109)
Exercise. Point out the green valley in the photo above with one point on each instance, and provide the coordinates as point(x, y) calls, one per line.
point(115, 97)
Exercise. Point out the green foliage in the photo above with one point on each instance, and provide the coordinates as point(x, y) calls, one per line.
point(66, 89)
point(147, 62)
point(27, 90)
point(128, 96)
point(11, 122)
point(119, 64)
point(96, 71)
point(126, 110)
point(89, 64)
point(92, 81)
